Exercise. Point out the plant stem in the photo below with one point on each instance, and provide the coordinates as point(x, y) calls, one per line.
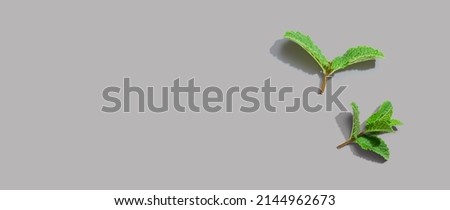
point(324, 83)
point(349, 141)
point(345, 143)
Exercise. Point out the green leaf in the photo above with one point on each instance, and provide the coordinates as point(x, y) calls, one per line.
point(356, 124)
point(374, 144)
point(306, 43)
point(395, 122)
point(383, 113)
point(355, 55)
point(380, 126)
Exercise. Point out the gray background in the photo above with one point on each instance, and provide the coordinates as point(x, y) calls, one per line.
point(56, 57)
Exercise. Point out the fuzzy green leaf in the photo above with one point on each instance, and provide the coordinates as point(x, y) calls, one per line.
point(355, 55)
point(395, 122)
point(356, 124)
point(374, 144)
point(380, 120)
point(380, 126)
point(383, 113)
point(306, 43)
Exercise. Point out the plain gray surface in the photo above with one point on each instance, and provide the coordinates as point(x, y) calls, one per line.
point(56, 57)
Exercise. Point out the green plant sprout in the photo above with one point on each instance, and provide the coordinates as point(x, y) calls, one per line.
point(378, 123)
point(353, 55)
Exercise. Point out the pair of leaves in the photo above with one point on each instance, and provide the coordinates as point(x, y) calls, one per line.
point(352, 56)
point(379, 122)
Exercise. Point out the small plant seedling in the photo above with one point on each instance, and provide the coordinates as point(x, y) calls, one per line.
point(378, 123)
point(353, 55)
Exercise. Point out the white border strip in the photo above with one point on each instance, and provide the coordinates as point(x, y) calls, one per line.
point(104, 199)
